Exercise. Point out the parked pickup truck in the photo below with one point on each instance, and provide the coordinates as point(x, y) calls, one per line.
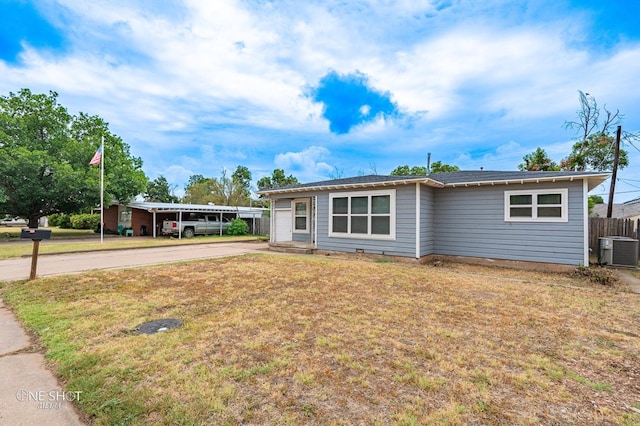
point(196, 224)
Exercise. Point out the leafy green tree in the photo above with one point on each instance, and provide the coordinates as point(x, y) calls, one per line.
point(195, 179)
point(595, 153)
point(199, 191)
point(159, 191)
point(241, 180)
point(538, 161)
point(593, 200)
point(440, 167)
point(406, 171)
point(436, 167)
point(225, 191)
point(594, 127)
point(45, 154)
point(276, 180)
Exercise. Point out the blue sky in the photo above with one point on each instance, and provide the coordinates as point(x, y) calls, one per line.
point(330, 88)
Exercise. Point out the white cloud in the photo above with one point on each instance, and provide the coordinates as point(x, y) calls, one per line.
point(496, 79)
point(307, 164)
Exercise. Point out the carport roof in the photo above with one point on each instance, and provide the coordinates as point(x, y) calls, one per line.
point(200, 208)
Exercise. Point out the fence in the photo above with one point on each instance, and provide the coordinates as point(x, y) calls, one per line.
point(603, 227)
point(259, 226)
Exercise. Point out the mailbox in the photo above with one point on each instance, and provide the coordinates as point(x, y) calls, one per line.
point(35, 234)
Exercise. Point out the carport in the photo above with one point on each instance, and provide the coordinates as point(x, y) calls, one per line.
point(240, 212)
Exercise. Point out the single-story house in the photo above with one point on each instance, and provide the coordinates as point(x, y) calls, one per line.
point(538, 217)
point(626, 210)
point(145, 218)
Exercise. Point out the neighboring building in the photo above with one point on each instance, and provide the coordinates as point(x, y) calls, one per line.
point(145, 218)
point(628, 210)
point(515, 216)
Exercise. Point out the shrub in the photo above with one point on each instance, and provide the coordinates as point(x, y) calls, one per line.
point(238, 227)
point(597, 274)
point(85, 221)
point(60, 219)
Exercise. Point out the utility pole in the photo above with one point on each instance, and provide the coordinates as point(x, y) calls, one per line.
point(614, 173)
point(428, 162)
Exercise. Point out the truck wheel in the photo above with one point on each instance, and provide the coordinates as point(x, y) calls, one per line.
point(188, 233)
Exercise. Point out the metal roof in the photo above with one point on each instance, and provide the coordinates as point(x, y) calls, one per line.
point(448, 179)
point(200, 208)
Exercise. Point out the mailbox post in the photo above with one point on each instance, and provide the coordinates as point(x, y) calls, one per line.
point(36, 235)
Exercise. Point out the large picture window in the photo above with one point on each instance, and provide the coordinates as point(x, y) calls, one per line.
point(536, 205)
point(368, 214)
point(301, 216)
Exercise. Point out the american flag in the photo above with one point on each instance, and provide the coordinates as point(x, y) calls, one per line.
point(96, 157)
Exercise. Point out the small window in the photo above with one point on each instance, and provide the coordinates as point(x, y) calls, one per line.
point(367, 214)
point(536, 206)
point(301, 216)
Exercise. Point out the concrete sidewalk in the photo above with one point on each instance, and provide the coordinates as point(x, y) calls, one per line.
point(29, 393)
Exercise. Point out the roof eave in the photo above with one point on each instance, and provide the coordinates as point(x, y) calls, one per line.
point(278, 191)
point(593, 180)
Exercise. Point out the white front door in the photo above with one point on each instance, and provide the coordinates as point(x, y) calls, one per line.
point(283, 225)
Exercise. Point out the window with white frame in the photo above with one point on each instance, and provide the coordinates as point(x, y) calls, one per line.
point(542, 205)
point(366, 214)
point(301, 216)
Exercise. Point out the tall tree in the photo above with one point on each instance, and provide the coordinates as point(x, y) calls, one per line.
point(199, 191)
point(241, 178)
point(276, 180)
point(44, 159)
point(195, 179)
point(440, 167)
point(225, 190)
point(407, 171)
point(597, 152)
point(594, 128)
point(159, 191)
point(436, 167)
point(538, 161)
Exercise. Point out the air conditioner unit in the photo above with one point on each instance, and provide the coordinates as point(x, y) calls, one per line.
point(618, 251)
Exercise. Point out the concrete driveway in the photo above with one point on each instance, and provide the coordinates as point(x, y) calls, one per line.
point(71, 263)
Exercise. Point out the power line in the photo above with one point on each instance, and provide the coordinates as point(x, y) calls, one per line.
point(631, 143)
point(621, 192)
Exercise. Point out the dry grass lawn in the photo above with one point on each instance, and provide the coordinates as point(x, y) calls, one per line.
point(315, 340)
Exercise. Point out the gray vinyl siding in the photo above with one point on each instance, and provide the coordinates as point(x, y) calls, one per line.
point(470, 222)
point(284, 203)
point(302, 238)
point(426, 220)
point(403, 245)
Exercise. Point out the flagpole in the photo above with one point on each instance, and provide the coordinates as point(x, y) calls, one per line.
point(102, 193)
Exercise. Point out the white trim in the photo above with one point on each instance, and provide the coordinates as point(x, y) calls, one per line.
point(314, 225)
point(272, 222)
point(564, 205)
point(369, 236)
point(585, 218)
point(597, 178)
point(418, 227)
point(307, 229)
